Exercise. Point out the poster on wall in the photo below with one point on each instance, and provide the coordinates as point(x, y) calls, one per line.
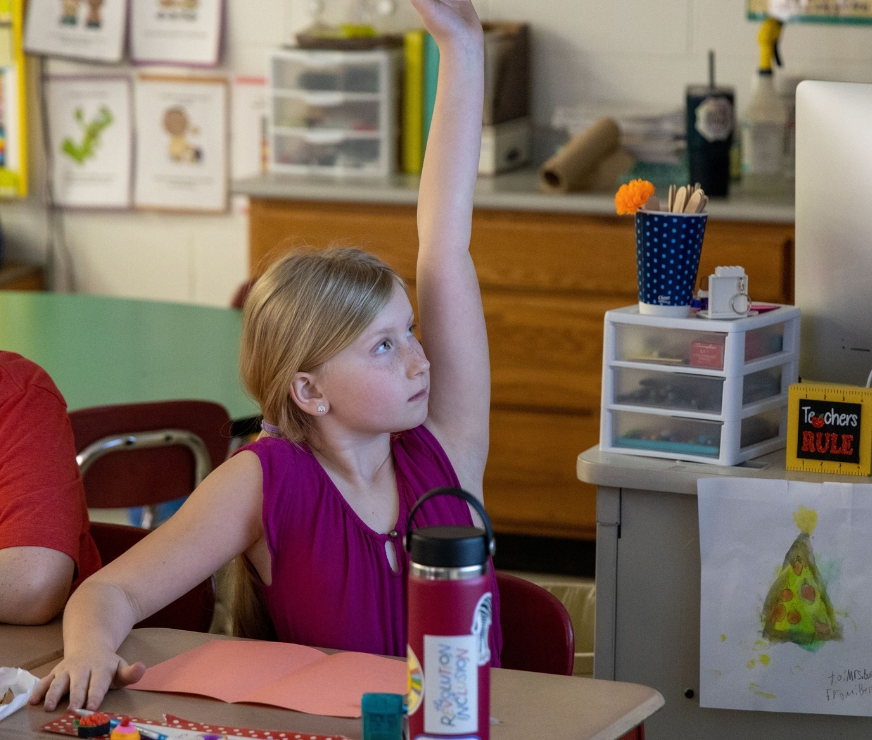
point(176, 31)
point(92, 30)
point(13, 107)
point(248, 127)
point(786, 610)
point(91, 135)
point(181, 147)
point(812, 11)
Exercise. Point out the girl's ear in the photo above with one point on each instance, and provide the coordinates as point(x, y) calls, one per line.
point(306, 393)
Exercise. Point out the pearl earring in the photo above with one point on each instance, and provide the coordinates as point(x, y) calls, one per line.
point(321, 409)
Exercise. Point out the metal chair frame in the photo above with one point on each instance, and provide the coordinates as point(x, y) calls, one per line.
point(140, 440)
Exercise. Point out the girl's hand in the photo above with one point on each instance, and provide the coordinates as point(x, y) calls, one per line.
point(448, 19)
point(87, 678)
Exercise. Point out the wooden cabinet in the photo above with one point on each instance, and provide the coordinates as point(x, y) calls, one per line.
point(546, 279)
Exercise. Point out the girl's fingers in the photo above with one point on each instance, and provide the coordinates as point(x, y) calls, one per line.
point(79, 689)
point(59, 686)
point(97, 688)
point(40, 689)
point(128, 674)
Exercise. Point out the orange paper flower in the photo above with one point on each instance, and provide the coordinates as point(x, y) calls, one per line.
point(632, 196)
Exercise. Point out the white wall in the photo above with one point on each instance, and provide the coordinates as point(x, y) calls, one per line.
point(583, 50)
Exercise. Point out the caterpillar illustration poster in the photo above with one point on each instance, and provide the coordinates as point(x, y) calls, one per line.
point(786, 608)
point(91, 140)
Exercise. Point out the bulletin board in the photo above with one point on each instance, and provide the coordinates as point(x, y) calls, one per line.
point(13, 125)
point(812, 11)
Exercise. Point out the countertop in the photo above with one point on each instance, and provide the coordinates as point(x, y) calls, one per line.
point(515, 191)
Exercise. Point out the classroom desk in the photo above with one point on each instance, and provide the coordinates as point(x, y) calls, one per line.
point(28, 647)
point(101, 350)
point(527, 705)
point(648, 594)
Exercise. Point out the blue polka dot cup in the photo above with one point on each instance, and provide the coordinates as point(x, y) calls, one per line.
point(668, 246)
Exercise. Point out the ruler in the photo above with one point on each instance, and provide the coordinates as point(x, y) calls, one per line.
point(829, 429)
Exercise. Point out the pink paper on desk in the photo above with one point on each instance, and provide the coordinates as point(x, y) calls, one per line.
point(279, 674)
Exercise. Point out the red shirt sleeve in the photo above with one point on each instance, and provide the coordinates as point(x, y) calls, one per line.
point(42, 500)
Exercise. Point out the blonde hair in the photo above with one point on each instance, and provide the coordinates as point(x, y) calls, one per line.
point(304, 310)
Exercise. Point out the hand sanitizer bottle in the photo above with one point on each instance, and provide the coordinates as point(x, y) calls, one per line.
point(764, 122)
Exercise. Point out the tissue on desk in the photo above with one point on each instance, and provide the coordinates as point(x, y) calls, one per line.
point(17, 685)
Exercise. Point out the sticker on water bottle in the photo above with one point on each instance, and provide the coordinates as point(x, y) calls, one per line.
point(451, 684)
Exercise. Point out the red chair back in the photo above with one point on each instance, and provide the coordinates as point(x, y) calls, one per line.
point(537, 629)
point(193, 611)
point(150, 475)
point(143, 477)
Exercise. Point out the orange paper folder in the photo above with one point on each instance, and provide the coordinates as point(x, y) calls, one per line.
point(279, 674)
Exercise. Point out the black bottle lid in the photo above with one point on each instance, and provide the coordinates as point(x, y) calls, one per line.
point(448, 546)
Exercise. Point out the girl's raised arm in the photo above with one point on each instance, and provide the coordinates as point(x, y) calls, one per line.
point(449, 301)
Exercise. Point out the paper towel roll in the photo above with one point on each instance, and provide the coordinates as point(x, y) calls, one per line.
point(576, 165)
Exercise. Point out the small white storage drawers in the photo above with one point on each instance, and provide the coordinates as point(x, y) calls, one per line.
point(333, 112)
point(697, 389)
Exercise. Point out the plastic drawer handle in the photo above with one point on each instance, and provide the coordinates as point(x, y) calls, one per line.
point(324, 98)
point(324, 137)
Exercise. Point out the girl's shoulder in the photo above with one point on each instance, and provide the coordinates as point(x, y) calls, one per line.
point(282, 461)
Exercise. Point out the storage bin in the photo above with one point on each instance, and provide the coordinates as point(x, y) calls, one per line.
point(333, 112)
point(697, 389)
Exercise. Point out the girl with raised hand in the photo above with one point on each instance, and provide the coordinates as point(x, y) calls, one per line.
point(360, 420)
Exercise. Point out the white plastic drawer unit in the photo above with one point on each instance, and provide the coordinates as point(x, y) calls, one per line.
point(334, 112)
point(334, 71)
point(696, 389)
point(325, 110)
point(329, 150)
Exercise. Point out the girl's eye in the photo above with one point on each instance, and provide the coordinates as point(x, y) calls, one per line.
point(411, 329)
point(384, 346)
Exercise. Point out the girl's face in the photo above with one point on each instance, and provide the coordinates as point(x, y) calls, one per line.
point(381, 382)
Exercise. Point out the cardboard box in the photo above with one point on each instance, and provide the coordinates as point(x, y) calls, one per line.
point(505, 146)
point(506, 72)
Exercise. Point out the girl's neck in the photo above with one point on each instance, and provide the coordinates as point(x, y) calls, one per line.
point(360, 464)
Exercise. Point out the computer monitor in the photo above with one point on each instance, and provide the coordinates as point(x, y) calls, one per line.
point(834, 230)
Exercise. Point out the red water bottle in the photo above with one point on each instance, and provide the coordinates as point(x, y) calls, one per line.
point(450, 607)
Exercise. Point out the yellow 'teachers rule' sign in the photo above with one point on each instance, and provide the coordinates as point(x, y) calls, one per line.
point(812, 11)
point(829, 428)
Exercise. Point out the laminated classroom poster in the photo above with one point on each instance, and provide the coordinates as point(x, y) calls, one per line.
point(13, 105)
point(248, 127)
point(249, 138)
point(786, 608)
point(92, 30)
point(176, 31)
point(91, 140)
point(181, 149)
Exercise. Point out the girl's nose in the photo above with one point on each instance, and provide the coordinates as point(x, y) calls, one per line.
point(416, 360)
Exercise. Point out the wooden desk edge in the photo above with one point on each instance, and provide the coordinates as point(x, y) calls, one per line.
point(634, 718)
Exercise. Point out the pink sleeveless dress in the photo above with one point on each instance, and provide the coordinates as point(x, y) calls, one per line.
point(332, 584)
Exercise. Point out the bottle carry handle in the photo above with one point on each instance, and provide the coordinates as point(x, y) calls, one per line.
point(458, 493)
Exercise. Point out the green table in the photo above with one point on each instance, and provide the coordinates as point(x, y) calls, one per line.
point(102, 350)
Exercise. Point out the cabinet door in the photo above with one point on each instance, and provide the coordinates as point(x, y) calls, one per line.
point(546, 350)
point(530, 484)
point(764, 250)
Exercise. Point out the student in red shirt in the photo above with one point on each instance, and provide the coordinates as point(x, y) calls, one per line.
point(45, 547)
